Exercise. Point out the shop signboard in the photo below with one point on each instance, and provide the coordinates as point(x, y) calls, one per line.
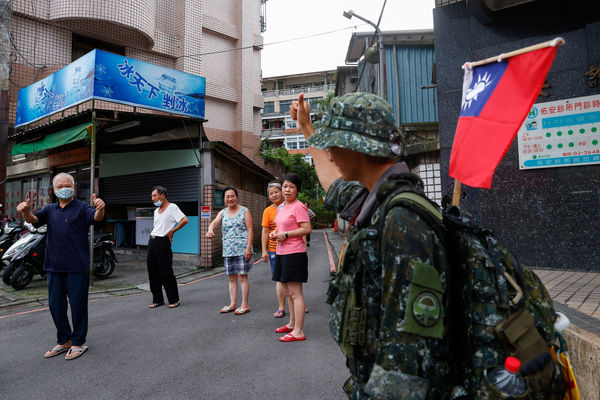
point(563, 133)
point(115, 78)
point(67, 157)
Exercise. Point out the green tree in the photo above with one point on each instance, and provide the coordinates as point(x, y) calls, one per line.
point(322, 107)
point(294, 163)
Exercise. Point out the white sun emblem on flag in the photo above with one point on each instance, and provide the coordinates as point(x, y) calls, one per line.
point(107, 91)
point(482, 83)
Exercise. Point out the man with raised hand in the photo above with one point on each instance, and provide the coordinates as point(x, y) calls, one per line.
point(67, 261)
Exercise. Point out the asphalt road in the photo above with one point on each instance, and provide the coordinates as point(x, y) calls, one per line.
point(191, 352)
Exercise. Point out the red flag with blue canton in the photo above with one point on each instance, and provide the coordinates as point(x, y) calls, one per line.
point(496, 100)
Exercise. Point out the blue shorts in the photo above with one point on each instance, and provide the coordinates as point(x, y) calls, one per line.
point(237, 265)
point(272, 255)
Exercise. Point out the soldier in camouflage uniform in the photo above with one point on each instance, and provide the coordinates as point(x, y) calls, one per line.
point(388, 299)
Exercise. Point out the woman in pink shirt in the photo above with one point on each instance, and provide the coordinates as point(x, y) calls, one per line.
point(291, 261)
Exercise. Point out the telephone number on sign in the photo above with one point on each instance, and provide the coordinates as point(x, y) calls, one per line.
point(581, 153)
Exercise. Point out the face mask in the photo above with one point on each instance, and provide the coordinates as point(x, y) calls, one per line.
point(64, 193)
point(158, 203)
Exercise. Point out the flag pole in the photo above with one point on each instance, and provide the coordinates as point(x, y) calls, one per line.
point(550, 43)
point(456, 193)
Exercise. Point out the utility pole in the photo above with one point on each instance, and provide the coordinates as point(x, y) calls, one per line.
point(6, 12)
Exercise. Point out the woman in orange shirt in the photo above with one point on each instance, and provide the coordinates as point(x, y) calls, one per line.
point(269, 245)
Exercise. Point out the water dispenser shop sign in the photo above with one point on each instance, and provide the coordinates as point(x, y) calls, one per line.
point(563, 133)
point(111, 77)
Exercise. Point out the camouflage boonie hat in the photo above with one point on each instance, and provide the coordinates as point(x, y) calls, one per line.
point(362, 122)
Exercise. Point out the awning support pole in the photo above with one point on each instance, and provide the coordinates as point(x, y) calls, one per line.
point(92, 178)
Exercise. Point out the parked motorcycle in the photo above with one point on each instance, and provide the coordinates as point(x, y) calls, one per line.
point(10, 233)
point(104, 256)
point(25, 258)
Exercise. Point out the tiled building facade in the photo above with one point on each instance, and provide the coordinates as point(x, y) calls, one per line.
point(217, 39)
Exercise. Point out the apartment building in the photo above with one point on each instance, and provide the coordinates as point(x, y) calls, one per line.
point(278, 93)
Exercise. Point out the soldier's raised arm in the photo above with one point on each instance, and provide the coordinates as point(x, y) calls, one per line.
point(326, 170)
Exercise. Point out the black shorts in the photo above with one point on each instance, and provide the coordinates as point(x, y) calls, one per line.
point(291, 268)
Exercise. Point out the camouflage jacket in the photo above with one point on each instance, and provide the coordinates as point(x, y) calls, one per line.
point(404, 355)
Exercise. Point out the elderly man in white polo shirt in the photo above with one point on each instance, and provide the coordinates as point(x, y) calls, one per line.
point(168, 219)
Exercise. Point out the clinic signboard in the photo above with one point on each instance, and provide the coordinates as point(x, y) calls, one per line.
point(111, 77)
point(563, 133)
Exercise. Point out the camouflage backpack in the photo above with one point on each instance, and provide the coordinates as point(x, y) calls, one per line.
point(498, 307)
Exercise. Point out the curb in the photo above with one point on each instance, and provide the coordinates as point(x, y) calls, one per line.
point(130, 289)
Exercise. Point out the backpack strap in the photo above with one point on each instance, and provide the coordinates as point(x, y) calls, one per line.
point(416, 201)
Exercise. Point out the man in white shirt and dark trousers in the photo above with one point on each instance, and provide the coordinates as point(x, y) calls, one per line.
point(160, 256)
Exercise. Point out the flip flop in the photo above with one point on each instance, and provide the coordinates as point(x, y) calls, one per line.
point(279, 314)
point(227, 309)
point(290, 338)
point(154, 305)
point(174, 305)
point(284, 329)
point(78, 352)
point(240, 310)
point(58, 349)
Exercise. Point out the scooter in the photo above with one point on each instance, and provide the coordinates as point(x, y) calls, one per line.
point(104, 256)
point(10, 234)
point(25, 258)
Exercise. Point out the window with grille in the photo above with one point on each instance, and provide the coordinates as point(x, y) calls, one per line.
point(429, 171)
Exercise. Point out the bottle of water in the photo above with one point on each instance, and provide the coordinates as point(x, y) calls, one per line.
point(507, 379)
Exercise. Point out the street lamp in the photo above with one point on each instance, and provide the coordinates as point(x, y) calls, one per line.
point(381, 82)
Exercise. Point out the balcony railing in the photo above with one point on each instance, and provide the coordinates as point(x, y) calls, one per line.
point(272, 132)
point(309, 89)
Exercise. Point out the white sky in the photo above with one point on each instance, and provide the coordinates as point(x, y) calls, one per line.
point(290, 19)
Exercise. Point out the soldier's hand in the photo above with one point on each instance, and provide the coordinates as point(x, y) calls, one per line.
point(24, 206)
point(300, 112)
point(98, 202)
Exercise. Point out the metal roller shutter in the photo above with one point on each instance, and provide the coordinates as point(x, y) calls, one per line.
point(181, 184)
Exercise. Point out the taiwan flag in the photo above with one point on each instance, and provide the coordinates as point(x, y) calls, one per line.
point(496, 100)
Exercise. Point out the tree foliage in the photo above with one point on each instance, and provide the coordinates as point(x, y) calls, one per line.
point(312, 192)
point(294, 163)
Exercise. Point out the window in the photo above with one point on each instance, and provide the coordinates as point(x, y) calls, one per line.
point(313, 103)
point(429, 171)
point(82, 45)
point(302, 143)
point(290, 123)
point(269, 107)
point(284, 106)
point(291, 143)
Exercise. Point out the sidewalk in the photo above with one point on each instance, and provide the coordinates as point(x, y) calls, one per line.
point(130, 277)
point(576, 294)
